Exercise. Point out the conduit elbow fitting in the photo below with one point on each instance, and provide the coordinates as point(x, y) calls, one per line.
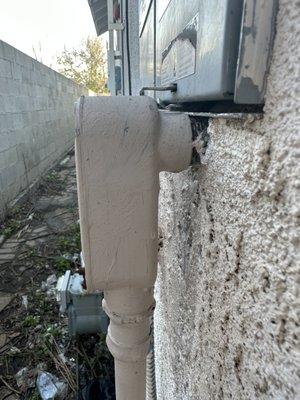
point(122, 143)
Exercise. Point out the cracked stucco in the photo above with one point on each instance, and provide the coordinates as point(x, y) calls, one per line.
point(227, 290)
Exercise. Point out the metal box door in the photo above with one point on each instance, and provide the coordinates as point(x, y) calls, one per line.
point(197, 48)
point(196, 43)
point(147, 31)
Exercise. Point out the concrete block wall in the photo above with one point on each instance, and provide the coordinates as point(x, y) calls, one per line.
point(36, 120)
point(227, 316)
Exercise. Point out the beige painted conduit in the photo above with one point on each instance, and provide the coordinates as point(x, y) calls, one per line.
point(122, 143)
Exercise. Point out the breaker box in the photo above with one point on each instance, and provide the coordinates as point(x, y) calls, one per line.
point(201, 45)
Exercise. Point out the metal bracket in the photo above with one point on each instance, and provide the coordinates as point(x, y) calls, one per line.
point(85, 313)
point(116, 26)
point(230, 115)
point(172, 88)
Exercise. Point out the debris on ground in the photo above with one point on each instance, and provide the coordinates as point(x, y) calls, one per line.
point(25, 378)
point(50, 286)
point(50, 387)
point(39, 241)
point(5, 299)
point(25, 301)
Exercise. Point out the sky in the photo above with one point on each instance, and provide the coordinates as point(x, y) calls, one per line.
point(46, 26)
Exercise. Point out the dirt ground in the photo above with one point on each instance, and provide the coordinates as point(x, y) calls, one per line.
point(39, 241)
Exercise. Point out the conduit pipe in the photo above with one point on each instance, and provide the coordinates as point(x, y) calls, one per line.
point(122, 143)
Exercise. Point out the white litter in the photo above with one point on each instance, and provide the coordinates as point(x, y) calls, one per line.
point(50, 387)
point(25, 301)
point(25, 378)
point(51, 280)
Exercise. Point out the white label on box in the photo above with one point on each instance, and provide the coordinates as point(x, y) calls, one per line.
point(179, 59)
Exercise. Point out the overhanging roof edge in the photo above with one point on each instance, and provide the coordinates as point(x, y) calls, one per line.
point(99, 14)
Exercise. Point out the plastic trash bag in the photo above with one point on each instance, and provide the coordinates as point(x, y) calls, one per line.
point(50, 387)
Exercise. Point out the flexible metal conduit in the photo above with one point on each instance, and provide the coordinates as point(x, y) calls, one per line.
point(150, 377)
point(150, 368)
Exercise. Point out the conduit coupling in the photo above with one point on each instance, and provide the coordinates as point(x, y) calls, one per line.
point(122, 143)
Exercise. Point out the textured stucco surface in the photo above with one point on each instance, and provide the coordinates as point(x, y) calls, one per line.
point(228, 281)
point(36, 120)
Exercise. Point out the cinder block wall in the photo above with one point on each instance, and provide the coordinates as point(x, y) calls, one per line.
point(227, 316)
point(36, 120)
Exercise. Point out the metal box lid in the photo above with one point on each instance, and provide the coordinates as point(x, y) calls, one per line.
point(210, 49)
point(196, 47)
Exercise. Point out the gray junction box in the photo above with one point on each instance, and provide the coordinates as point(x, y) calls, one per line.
point(200, 46)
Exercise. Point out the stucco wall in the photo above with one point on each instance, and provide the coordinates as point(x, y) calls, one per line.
point(227, 290)
point(36, 120)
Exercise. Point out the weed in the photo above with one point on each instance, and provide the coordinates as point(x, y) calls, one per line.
point(31, 321)
point(64, 243)
point(32, 252)
point(12, 223)
point(41, 302)
point(70, 242)
point(62, 264)
point(52, 331)
point(34, 395)
point(53, 176)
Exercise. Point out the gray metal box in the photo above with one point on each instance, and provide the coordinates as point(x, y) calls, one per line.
point(147, 27)
point(193, 43)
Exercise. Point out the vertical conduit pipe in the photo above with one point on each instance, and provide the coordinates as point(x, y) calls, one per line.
point(122, 143)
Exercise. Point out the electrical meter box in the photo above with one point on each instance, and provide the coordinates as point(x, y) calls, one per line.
point(199, 45)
